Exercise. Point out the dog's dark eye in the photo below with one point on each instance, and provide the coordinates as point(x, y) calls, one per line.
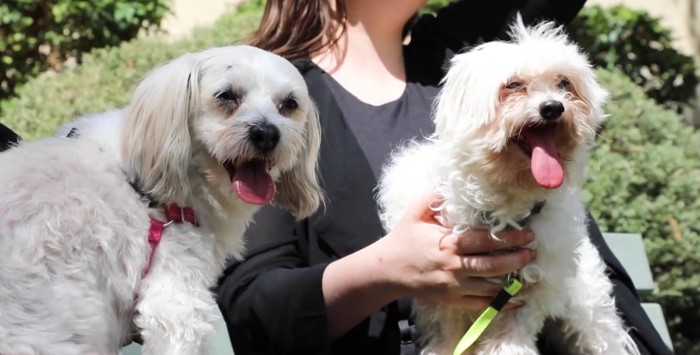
point(288, 105)
point(514, 85)
point(564, 84)
point(226, 96)
point(229, 99)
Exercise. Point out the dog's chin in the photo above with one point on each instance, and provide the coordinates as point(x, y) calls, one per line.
point(251, 179)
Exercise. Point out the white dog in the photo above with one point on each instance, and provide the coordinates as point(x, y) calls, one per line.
point(208, 137)
point(514, 124)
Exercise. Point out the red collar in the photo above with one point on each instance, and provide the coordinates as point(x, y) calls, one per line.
point(173, 214)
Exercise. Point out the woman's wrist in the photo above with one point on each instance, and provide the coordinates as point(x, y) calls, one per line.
point(358, 285)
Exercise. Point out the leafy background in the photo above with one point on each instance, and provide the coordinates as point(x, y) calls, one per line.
point(649, 59)
point(644, 177)
point(37, 35)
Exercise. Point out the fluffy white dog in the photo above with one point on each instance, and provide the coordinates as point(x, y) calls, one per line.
point(206, 140)
point(514, 124)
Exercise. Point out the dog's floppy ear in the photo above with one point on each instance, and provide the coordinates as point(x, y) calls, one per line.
point(156, 143)
point(298, 189)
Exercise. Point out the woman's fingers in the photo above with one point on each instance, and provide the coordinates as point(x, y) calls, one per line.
point(477, 254)
point(490, 265)
point(480, 241)
point(423, 258)
point(478, 293)
point(477, 286)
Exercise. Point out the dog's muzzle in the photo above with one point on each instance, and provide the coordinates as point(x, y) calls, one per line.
point(264, 137)
point(551, 110)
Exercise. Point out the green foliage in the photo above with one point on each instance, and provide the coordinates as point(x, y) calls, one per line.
point(638, 45)
point(252, 5)
point(432, 6)
point(107, 76)
point(645, 178)
point(36, 35)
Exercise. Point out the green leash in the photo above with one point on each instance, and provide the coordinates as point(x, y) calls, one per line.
point(512, 287)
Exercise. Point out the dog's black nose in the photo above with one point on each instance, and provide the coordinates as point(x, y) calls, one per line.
point(551, 110)
point(264, 136)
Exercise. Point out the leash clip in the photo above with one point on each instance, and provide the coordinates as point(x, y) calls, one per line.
point(512, 277)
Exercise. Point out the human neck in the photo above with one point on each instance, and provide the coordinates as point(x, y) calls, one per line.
point(368, 59)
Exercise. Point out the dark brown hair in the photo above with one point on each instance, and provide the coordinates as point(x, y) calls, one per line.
point(296, 29)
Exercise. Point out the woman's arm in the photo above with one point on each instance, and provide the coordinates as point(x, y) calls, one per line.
point(468, 22)
point(419, 258)
point(465, 23)
point(272, 301)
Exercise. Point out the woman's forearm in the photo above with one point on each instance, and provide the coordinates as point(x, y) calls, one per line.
point(354, 287)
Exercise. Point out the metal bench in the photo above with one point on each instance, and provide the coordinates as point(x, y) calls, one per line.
point(629, 249)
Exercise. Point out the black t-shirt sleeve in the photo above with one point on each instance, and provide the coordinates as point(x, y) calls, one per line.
point(273, 303)
point(7, 137)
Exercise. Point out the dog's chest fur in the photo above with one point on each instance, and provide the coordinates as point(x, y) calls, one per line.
point(76, 233)
point(75, 228)
point(559, 226)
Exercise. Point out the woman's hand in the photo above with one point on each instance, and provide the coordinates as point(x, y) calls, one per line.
point(420, 258)
point(424, 259)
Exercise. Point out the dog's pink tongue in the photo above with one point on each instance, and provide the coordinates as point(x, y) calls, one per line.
point(253, 184)
point(544, 163)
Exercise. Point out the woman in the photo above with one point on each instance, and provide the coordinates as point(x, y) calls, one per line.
point(331, 284)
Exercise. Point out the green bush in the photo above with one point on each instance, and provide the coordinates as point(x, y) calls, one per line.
point(36, 35)
point(638, 45)
point(432, 6)
point(107, 76)
point(644, 177)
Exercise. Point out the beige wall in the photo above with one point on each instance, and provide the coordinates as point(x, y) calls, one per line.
point(188, 14)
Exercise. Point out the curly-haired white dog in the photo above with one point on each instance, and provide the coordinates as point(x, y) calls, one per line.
point(206, 140)
point(514, 125)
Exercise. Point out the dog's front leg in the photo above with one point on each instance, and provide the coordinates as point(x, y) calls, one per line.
point(175, 316)
point(175, 309)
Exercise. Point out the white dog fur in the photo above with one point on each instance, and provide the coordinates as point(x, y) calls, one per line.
point(487, 118)
point(74, 232)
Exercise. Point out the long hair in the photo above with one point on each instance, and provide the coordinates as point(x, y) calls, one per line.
point(296, 29)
